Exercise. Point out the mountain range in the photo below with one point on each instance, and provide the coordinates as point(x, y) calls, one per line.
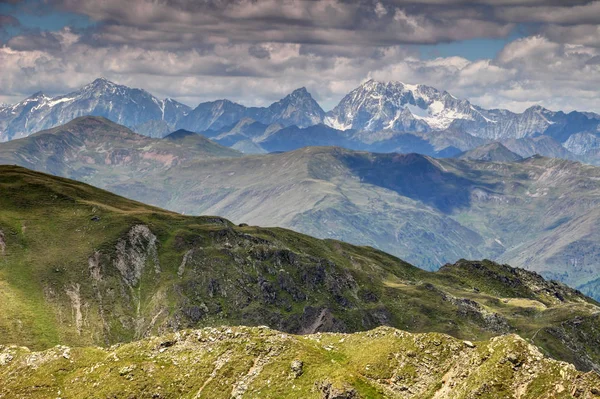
point(139, 110)
point(81, 266)
point(537, 213)
point(118, 103)
point(376, 116)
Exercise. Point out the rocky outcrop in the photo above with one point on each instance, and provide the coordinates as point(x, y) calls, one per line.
point(133, 253)
point(329, 391)
point(2, 243)
point(473, 310)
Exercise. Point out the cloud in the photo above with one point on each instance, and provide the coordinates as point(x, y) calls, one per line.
point(181, 23)
point(256, 52)
point(8, 20)
point(527, 71)
point(567, 13)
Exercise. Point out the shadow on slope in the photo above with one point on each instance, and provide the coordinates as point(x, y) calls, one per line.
point(414, 176)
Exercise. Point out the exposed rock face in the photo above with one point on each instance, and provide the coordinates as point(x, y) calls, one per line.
point(75, 297)
point(328, 391)
point(473, 310)
point(297, 108)
point(2, 243)
point(525, 283)
point(297, 367)
point(581, 143)
point(94, 267)
point(134, 252)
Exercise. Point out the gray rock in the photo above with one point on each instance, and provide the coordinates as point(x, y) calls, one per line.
point(297, 367)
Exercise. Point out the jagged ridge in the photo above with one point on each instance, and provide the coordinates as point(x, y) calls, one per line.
point(258, 362)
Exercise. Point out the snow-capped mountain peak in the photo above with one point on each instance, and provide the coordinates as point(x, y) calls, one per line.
point(127, 106)
point(376, 105)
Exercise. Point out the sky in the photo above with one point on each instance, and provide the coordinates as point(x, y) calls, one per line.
point(496, 53)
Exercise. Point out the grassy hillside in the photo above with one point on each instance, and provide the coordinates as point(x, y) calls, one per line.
point(81, 266)
point(244, 362)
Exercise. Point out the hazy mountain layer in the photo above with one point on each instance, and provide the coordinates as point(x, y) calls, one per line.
point(536, 213)
point(494, 152)
point(94, 148)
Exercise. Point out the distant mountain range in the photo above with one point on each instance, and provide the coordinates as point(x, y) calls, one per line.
point(376, 116)
point(538, 213)
point(141, 111)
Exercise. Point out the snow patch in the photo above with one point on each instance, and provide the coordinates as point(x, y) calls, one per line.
point(334, 123)
point(53, 102)
point(436, 107)
point(417, 111)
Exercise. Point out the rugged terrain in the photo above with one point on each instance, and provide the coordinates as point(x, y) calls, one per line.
point(80, 266)
point(121, 104)
point(243, 362)
point(537, 213)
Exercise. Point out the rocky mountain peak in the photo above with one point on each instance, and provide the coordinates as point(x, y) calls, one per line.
point(300, 96)
point(37, 95)
point(493, 152)
point(301, 91)
point(297, 108)
point(100, 83)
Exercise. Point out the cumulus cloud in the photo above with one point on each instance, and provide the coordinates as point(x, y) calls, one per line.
point(565, 13)
point(256, 52)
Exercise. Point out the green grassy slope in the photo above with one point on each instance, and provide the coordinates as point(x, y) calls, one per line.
point(81, 266)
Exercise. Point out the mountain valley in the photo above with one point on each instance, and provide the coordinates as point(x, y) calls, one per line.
point(303, 199)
